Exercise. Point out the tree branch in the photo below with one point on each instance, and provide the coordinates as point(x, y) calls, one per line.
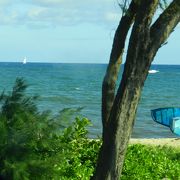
point(164, 25)
point(109, 82)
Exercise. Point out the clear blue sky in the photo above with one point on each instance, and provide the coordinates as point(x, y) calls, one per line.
point(66, 31)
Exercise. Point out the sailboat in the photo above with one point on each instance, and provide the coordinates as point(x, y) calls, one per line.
point(24, 60)
point(153, 71)
point(169, 117)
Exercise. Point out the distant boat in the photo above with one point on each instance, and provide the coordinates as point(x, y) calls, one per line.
point(24, 60)
point(152, 71)
point(169, 117)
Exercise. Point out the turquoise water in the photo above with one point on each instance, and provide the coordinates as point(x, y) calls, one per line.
point(79, 85)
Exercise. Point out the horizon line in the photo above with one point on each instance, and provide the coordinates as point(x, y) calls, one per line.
point(54, 62)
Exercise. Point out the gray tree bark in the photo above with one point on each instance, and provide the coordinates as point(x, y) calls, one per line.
point(119, 119)
point(109, 82)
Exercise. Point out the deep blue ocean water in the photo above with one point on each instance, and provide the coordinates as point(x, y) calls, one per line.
point(79, 85)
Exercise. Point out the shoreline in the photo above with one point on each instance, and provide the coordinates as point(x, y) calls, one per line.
point(172, 142)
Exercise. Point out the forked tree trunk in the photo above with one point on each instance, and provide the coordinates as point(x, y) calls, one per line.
point(111, 76)
point(144, 43)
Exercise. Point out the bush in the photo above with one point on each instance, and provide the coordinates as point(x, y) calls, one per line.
point(79, 152)
point(27, 138)
point(33, 144)
point(148, 162)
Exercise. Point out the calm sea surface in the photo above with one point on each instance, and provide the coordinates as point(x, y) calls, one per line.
point(79, 85)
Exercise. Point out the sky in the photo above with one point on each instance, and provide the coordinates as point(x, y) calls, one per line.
point(66, 31)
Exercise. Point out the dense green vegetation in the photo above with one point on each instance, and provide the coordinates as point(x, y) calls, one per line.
point(35, 145)
point(147, 162)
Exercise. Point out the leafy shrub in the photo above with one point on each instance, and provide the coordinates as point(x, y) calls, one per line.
point(27, 138)
point(34, 145)
point(80, 153)
point(151, 163)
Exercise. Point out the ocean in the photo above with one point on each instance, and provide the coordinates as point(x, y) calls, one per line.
point(62, 86)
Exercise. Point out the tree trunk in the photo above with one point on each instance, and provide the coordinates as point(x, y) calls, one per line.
point(119, 128)
point(109, 82)
point(143, 45)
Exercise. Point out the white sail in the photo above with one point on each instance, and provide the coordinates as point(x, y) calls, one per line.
point(24, 60)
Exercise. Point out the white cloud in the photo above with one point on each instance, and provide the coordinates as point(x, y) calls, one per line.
point(37, 12)
point(110, 16)
point(47, 2)
point(58, 12)
point(9, 18)
point(4, 2)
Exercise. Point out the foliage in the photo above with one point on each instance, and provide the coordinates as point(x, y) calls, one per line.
point(33, 145)
point(79, 152)
point(141, 163)
point(27, 139)
point(151, 163)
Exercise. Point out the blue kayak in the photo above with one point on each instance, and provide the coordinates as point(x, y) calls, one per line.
point(169, 117)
